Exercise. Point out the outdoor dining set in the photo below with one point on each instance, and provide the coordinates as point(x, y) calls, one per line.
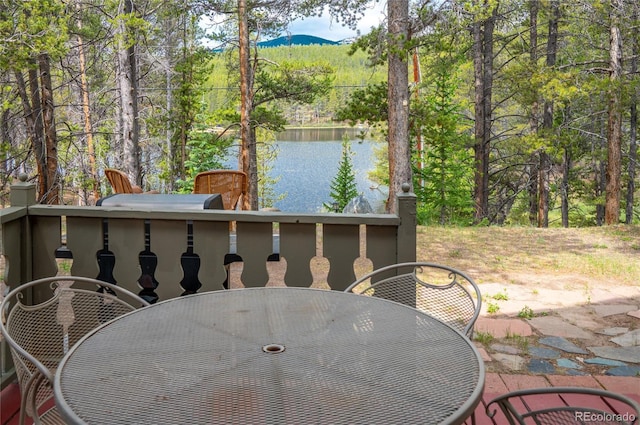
point(393, 347)
point(96, 353)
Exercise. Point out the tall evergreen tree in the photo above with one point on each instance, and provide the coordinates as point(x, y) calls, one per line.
point(444, 172)
point(343, 186)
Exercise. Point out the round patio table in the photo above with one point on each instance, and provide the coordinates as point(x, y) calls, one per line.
point(271, 356)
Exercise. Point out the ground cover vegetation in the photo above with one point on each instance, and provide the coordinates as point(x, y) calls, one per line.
point(520, 111)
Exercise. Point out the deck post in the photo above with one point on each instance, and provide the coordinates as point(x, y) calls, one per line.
point(16, 234)
point(22, 193)
point(15, 247)
point(406, 240)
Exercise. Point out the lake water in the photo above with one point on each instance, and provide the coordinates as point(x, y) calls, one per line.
point(307, 163)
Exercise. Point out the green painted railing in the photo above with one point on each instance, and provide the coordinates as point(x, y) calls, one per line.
point(124, 244)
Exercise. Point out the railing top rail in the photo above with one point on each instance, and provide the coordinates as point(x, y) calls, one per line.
point(214, 215)
point(12, 213)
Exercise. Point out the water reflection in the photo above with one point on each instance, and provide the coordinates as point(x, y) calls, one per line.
point(307, 168)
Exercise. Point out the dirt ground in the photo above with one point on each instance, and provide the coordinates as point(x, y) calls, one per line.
point(528, 257)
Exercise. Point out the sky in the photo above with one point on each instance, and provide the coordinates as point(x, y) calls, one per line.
point(327, 28)
point(324, 27)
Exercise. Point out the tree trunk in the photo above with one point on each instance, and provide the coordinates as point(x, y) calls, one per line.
point(183, 122)
point(248, 155)
point(487, 41)
point(86, 112)
point(5, 137)
point(32, 105)
point(545, 164)
point(478, 146)
point(482, 32)
point(633, 143)
point(29, 115)
point(398, 100)
point(600, 170)
point(532, 187)
point(51, 140)
point(564, 189)
point(128, 100)
point(614, 124)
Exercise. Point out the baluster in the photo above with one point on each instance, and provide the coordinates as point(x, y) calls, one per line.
point(341, 246)
point(211, 242)
point(381, 241)
point(46, 236)
point(168, 239)
point(126, 240)
point(148, 263)
point(84, 241)
point(255, 244)
point(190, 263)
point(298, 247)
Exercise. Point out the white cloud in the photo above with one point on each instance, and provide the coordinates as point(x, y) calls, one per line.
point(327, 28)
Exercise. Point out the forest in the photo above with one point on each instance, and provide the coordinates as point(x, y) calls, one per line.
point(520, 111)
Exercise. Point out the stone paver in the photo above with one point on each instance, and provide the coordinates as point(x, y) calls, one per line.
point(624, 371)
point(568, 315)
point(541, 366)
point(605, 310)
point(507, 349)
point(605, 362)
point(624, 354)
point(543, 353)
point(576, 372)
point(614, 331)
point(555, 326)
point(511, 361)
point(562, 344)
point(580, 316)
point(628, 339)
point(568, 364)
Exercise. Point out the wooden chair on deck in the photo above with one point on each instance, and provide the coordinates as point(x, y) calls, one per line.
point(230, 184)
point(120, 182)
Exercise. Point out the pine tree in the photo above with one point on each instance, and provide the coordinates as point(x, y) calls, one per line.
point(343, 186)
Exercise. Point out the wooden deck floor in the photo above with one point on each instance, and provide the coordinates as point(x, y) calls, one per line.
point(495, 385)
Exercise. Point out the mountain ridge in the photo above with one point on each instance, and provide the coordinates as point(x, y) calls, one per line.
point(299, 40)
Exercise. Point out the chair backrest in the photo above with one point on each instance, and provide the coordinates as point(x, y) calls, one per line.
point(42, 319)
point(119, 181)
point(565, 405)
point(440, 291)
point(230, 184)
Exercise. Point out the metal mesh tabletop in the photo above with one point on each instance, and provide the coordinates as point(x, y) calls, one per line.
point(271, 356)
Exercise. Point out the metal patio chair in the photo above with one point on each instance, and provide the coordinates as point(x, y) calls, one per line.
point(440, 291)
point(42, 319)
point(230, 184)
point(565, 405)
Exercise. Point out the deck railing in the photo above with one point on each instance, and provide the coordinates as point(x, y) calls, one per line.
point(150, 246)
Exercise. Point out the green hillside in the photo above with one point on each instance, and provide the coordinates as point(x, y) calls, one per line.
point(351, 72)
